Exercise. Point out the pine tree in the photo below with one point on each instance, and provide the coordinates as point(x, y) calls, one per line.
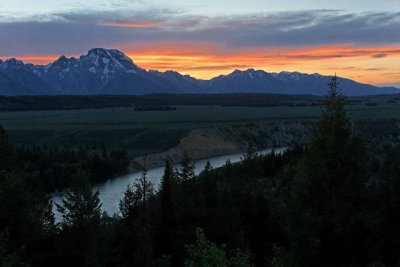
point(388, 206)
point(44, 217)
point(207, 169)
point(330, 194)
point(26, 220)
point(129, 202)
point(136, 234)
point(81, 218)
point(15, 209)
point(228, 168)
point(81, 206)
point(135, 197)
point(167, 196)
point(6, 151)
point(167, 234)
point(144, 188)
point(187, 168)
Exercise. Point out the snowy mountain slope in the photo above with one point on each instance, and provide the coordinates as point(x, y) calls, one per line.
point(109, 71)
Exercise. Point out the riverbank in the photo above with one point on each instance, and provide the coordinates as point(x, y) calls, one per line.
point(198, 144)
point(111, 191)
point(227, 139)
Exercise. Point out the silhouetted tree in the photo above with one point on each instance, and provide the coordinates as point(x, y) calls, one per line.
point(15, 209)
point(7, 155)
point(80, 206)
point(332, 192)
point(135, 237)
point(388, 207)
point(25, 219)
point(81, 217)
point(168, 230)
point(187, 168)
point(207, 169)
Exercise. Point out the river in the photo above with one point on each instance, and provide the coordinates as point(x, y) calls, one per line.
point(113, 190)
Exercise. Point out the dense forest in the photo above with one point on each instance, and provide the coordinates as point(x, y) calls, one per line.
point(57, 102)
point(66, 102)
point(327, 203)
point(52, 168)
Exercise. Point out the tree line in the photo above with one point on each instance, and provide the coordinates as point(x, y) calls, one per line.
point(327, 203)
point(57, 102)
point(52, 168)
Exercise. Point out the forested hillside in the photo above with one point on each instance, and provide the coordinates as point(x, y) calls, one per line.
point(327, 203)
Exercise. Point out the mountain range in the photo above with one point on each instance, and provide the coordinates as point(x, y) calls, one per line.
point(109, 71)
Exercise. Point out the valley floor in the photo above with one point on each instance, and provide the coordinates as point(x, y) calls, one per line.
point(216, 129)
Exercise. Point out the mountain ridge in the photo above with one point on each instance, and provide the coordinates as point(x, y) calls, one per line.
point(110, 71)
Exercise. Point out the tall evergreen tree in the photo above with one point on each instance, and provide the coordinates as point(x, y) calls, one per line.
point(207, 169)
point(129, 202)
point(26, 220)
point(187, 168)
point(15, 210)
point(81, 206)
point(7, 156)
point(41, 247)
point(328, 226)
point(167, 234)
point(136, 196)
point(144, 188)
point(135, 239)
point(388, 207)
point(81, 217)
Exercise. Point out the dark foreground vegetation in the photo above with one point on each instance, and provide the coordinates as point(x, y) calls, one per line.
point(52, 168)
point(154, 108)
point(329, 203)
point(112, 101)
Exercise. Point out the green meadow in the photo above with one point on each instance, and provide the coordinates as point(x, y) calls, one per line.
point(141, 132)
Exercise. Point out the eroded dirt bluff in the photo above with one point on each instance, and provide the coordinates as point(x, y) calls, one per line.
point(228, 139)
point(200, 143)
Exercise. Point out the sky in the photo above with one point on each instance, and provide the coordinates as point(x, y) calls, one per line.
point(357, 39)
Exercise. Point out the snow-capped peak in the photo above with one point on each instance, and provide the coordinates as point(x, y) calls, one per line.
point(111, 71)
point(287, 75)
point(12, 63)
point(108, 61)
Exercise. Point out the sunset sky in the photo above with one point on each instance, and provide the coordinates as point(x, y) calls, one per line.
point(357, 39)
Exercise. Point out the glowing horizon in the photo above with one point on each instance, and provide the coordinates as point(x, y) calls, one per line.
point(206, 39)
point(373, 65)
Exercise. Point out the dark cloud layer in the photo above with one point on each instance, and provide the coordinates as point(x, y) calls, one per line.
point(75, 32)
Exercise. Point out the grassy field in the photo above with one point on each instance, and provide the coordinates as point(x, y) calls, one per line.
point(142, 132)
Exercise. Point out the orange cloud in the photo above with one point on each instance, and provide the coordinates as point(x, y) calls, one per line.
point(378, 64)
point(34, 59)
point(365, 64)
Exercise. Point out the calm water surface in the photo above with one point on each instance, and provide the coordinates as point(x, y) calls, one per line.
point(113, 190)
